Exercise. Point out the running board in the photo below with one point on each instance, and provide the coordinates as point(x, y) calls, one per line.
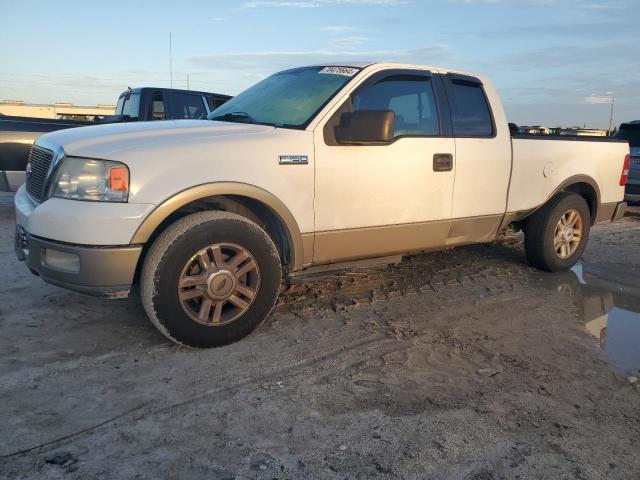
point(319, 271)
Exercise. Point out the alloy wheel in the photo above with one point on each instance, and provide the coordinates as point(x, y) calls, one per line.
point(568, 234)
point(218, 284)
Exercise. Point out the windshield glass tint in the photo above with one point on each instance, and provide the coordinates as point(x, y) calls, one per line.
point(290, 98)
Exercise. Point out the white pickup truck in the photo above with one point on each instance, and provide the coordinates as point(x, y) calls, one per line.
point(311, 170)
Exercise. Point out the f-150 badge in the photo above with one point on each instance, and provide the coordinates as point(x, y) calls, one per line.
point(294, 159)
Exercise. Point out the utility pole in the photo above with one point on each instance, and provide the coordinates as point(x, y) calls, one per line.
point(170, 62)
point(613, 101)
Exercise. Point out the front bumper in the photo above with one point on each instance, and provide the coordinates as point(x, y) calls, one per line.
point(78, 222)
point(101, 271)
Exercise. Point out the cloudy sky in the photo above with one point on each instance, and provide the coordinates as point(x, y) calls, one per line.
point(555, 62)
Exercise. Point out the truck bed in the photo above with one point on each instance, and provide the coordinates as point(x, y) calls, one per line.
point(542, 163)
point(16, 137)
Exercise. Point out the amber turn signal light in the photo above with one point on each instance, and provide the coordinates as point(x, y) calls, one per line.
point(119, 179)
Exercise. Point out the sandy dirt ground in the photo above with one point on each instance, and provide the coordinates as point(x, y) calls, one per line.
point(466, 364)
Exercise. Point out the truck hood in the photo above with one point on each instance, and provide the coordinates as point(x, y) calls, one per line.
point(103, 141)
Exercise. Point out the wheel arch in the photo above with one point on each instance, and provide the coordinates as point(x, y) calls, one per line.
point(582, 185)
point(250, 201)
point(586, 187)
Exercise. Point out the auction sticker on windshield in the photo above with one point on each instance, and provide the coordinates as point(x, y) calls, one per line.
point(346, 71)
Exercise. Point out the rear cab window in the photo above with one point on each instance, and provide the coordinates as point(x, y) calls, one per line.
point(470, 112)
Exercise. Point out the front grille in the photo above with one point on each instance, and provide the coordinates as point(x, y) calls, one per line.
point(38, 170)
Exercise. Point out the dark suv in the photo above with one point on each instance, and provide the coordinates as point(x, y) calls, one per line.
point(631, 133)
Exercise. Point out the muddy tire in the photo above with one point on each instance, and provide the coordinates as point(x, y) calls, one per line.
point(557, 234)
point(210, 279)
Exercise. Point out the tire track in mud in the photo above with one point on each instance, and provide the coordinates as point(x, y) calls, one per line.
point(209, 394)
point(371, 287)
point(386, 347)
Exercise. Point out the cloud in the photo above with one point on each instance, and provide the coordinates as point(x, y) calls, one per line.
point(572, 55)
point(316, 3)
point(538, 3)
point(507, 2)
point(583, 31)
point(260, 61)
point(338, 28)
point(303, 4)
point(347, 43)
point(594, 99)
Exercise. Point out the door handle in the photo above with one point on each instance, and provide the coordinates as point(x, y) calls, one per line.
point(442, 162)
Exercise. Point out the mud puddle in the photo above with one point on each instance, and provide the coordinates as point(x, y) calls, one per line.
point(610, 307)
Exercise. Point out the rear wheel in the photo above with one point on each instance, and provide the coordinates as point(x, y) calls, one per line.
point(210, 279)
point(557, 234)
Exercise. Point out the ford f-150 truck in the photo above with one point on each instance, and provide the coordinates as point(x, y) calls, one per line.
point(313, 169)
point(134, 105)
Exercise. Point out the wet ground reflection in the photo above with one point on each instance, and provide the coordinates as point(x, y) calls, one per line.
point(610, 307)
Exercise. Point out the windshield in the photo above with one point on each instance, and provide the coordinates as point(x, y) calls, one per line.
point(630, 133)
point(128, 104)
point(286, 99)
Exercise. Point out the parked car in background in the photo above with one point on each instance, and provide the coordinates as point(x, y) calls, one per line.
point(631, 133)
point(312, 170)
point(134, 105)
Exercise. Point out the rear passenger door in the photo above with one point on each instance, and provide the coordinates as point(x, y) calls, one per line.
point(483, 159)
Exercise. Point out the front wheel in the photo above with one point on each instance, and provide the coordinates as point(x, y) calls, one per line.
point(210, 279)
point(557, 234)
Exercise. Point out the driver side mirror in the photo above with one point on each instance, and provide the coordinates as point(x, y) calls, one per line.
point(366, 127)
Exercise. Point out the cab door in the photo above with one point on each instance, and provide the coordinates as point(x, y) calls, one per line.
point(483, 158)
point(379, 200)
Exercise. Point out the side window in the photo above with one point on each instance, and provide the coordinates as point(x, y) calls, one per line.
point(470, 112)
point(214, 102)
point(157, 107)
point(184, 105)
point(411, 99)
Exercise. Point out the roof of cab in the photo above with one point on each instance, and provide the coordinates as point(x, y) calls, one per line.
point(140, 89)
point(364, 65)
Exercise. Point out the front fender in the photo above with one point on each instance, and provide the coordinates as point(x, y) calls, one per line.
point(192, 194)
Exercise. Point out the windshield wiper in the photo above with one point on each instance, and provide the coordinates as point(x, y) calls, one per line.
point(234, 116)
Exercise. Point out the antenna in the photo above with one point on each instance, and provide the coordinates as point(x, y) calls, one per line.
point(613, 101)
point(170, 62)
point(187, 81)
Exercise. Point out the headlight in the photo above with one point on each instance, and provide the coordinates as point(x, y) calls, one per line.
point(89, 179)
